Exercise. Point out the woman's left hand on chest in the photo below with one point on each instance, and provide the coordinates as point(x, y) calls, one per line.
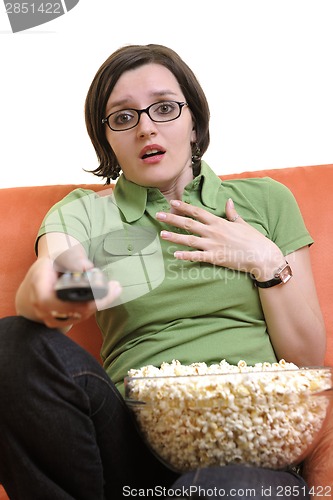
point(229, 242)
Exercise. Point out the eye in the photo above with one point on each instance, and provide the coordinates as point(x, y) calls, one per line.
point(165, 108)
point(123, 117)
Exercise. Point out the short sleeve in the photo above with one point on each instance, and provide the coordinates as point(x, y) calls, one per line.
point(285, 221)
point(71, 215)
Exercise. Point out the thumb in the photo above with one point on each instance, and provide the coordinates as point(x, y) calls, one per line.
point(84, 264)
point(72, 263)
point(230, 211)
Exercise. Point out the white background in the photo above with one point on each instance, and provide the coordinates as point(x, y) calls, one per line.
point(266, 68)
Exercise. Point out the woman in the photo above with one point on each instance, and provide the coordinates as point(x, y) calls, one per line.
point(198, 272)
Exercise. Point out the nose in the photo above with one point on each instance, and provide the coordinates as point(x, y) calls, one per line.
point(146, 126)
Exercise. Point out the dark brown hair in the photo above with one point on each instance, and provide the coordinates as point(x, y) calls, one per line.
point(127, 58)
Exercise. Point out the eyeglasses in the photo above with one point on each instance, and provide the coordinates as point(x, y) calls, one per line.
point(159, 112)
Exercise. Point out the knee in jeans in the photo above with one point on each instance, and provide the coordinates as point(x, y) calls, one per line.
point(16, 335)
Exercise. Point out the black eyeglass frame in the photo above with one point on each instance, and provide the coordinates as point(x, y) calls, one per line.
point(145, 110)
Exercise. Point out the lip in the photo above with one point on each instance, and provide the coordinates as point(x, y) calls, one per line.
point(152, 159)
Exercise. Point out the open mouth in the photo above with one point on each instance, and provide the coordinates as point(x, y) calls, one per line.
point(153, 152)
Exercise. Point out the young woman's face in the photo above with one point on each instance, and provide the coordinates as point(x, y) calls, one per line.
point(152, 154)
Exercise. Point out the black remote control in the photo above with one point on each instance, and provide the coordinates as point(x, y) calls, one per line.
point(82, 286)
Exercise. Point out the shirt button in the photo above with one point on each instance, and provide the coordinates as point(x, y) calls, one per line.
point(130, 247)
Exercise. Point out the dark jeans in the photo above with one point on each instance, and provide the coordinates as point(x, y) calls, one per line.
point(66, 433)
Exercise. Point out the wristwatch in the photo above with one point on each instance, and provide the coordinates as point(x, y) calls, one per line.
point(282, 275)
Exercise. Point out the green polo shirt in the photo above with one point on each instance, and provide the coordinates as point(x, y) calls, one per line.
point(171, 309)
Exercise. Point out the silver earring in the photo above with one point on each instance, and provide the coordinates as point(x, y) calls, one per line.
point(196, 159)
point(114, 172)
point(196, 153)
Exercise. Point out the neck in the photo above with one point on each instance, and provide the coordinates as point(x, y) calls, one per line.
point(174, 190)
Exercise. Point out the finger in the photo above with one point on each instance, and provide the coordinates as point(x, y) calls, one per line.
point(192, 211)
point(60, 319)
point(188, 240)
point(69, 262)
point(70, 316)
point(193, 256)
point(231, 212)
point(83, 310)
point(181, 222)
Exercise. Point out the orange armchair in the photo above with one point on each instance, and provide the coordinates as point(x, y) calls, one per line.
point(23, 209)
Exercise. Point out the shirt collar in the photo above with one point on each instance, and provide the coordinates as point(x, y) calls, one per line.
point(132, 199)
point(211, 184)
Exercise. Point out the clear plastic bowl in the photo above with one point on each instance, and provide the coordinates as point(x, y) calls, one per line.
point(261, 418)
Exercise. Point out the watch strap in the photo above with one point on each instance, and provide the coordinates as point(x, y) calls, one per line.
point(267, 284)
point(282, 275)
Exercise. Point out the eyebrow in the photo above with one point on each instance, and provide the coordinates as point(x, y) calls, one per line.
point(154, 94)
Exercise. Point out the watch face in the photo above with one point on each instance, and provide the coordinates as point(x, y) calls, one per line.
point(285, 274)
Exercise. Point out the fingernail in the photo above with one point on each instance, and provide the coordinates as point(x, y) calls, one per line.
point(165, 234)
point(231, 203)
point(175, 203)
point(161, 215)
point(116, 287)
point(115, 284)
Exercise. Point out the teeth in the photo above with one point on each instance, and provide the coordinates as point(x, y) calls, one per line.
point(151, 152)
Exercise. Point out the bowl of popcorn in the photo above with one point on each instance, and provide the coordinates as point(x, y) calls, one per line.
point(266, 415)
